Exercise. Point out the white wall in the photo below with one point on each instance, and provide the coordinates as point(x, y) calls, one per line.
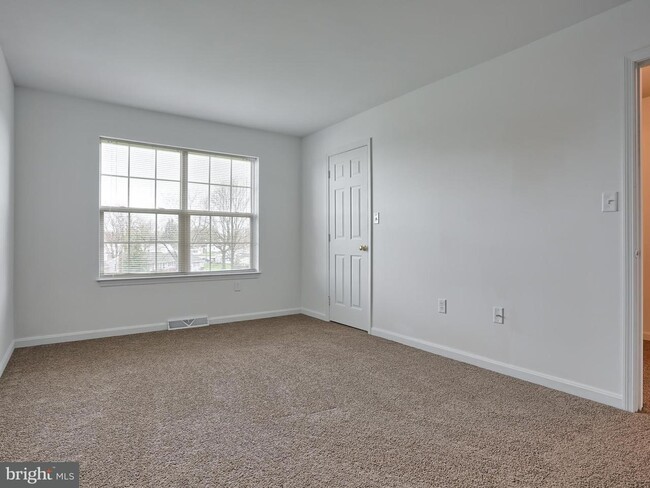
point(6, 212)
point(489, 186)
point(57, 222)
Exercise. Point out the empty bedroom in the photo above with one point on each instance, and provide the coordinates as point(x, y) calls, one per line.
point(304, 243)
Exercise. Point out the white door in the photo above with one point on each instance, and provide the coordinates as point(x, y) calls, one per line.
point(349, 237)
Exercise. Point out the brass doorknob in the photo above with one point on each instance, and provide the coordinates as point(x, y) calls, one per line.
point(363, 247)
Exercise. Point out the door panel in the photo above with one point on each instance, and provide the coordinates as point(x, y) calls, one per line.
point(339, 279)
point(355, 290)
point(339, 213)
point(349, 234)
point(355, 213)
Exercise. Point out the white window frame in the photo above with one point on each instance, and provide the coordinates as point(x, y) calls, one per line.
point(184, 214)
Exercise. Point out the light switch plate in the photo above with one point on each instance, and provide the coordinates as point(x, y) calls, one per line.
point(375, 218)
point(498, 316)
point(610, 201)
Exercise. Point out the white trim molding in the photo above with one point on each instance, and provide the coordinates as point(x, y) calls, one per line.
point(6, 357)
point(152, 279)
point(140, 329)
point(314, 314)
point(227, 319)
point(543, 379)
point(87, 334)
point(632, 340)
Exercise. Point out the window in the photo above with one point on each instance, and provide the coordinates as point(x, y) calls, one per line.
point(171, 211)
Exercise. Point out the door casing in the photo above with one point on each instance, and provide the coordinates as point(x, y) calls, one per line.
point(632, 343)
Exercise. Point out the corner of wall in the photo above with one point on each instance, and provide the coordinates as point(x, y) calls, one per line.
point(7, 170)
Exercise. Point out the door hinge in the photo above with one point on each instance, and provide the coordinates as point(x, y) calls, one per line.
point(329, 300)
point(637, 253)
point(329, 237)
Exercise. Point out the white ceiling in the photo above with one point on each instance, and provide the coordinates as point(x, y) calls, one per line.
point(291, 66)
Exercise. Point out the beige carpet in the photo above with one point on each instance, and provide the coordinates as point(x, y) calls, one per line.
point(296, 402)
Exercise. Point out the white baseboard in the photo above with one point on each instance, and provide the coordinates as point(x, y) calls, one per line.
point(139, 329)
point(87, 334)
point(567, 386)
point(226, 319)
point(6, 357)
point(561, 384)
point(314, 314)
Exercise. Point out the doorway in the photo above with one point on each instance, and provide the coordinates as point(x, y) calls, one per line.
point(633, 237)
point(644, 159)
point(349, 236)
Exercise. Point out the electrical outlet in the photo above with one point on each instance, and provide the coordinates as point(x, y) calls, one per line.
point(498, 316)
point(442, 305)
point(237, 285)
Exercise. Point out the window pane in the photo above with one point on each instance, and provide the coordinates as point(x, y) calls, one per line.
point(219, 171)
point(143, 162)
point(167, 258)
point(115, 159)
point(200, 257)
point(241, 256)
point(199, 229)
point(198, 196)
point(219, 198)
point(241, 199)
point(221, 230)
point(168, 228)
point(116, 227)
point(241, 230)
point(137, 176)
point(241, 172)
point(168, 195)
point(169, 165)
point(142, 257)
point(198, 168)
point(143, 227)
point(115, 258)
point(220, 257)
point(114, 191)
point(142, 193)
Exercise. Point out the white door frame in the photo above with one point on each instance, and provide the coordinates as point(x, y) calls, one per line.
point(632, 343)
point(342, 149)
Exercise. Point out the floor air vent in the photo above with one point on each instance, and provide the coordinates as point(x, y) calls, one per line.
point(187, 323)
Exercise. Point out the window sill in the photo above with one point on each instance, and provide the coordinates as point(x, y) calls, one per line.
point(179, 278)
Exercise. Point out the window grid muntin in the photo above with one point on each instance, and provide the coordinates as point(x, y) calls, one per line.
point(184, 259)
